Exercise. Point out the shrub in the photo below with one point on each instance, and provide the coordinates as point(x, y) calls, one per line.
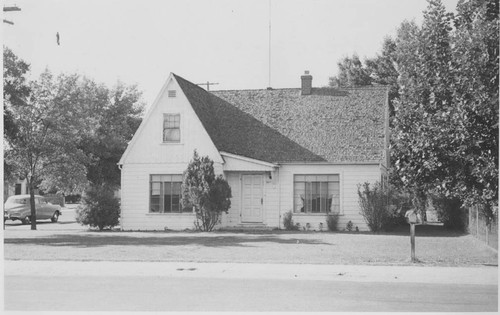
point(374, 204)
point(332, 222)
point(100, 208)
point(450, 212)
point(399, 204)
point(349, 226)
point(210, 195)
point(288, 222)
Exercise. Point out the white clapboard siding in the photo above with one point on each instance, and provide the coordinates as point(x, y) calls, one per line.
point(350, 177)
point(135, 198)
point(148, 146)
point(148, 155)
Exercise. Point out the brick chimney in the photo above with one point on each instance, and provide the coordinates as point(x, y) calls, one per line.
point(306, 86)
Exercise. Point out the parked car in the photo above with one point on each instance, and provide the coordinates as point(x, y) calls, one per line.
point(18, 208)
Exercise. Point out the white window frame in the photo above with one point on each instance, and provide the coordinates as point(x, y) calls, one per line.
point(327, 211)
point(162, 179)
point(165, 115)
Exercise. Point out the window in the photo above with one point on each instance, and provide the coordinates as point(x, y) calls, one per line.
point(165, 194)
point(21, 201)
point(171, 93)
point(171, 128)
point(18, 189)
point(317, 194)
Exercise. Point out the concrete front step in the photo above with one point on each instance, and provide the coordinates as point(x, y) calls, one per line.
point(248, 227)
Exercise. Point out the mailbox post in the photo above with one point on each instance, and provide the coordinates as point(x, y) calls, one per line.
point(412, 218)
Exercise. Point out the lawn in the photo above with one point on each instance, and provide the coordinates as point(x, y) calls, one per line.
point(434, 247)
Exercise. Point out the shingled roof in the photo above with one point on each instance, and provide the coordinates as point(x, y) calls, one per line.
point(234, 131)
point(281, 125)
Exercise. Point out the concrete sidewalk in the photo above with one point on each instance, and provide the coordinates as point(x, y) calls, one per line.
point(358, 273)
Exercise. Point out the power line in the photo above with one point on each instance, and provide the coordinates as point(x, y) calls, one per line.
point(10, 9)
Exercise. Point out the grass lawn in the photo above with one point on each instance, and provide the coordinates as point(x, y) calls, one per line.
point(434, 247)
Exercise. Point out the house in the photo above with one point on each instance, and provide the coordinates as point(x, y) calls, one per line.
point(303, 150)
point(17, 187)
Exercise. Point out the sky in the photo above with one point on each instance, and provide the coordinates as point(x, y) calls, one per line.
point(221, 41)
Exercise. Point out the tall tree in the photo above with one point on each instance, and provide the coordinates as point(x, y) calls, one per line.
point(424, 112)
point(476, 95)
point(47, 126)
point(382, 70)
point(15, 92)
point(352, 73)
point(117, 113)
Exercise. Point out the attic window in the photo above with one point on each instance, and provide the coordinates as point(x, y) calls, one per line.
point(171, 93)
point(171, 127)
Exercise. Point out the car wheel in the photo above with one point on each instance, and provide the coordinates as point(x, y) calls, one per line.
point(55, 217)
point(26, 220)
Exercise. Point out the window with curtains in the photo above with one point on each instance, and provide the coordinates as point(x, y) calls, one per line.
point(317, 194)
point(171, 128)
point(165, 194)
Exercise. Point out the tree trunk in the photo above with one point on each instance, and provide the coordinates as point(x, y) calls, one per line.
point(32, 203)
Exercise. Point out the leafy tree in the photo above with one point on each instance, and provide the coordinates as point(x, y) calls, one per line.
point(208, 194)
point(446, 123)
point(100, 208)
point(374, 205)
point(450, 212)
point(424, 112)
point(47, 125)
point(444, 93)
point(476, 95)
point(351, 73)
point(117, 115)
point(15, 92)
point(382, 70)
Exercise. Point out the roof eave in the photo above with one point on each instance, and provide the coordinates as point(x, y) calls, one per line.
point(247, 159)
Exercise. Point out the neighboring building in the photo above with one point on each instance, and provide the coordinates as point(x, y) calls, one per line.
point(303, 150)
point(19, 187)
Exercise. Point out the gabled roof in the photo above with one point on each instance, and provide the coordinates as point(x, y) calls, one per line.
point(339, 125)
point(234, 131)
point(281, 125)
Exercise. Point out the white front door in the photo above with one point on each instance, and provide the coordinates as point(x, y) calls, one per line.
point(252, 198)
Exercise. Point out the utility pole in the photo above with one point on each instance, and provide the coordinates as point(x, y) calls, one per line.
point(208, 84)
point(10, 9)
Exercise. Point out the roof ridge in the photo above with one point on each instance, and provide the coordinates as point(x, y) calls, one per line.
point(188, 82)
point(382, 87)
point(273, 89)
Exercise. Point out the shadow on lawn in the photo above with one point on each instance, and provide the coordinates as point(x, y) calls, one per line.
point(74, 240)
point(429, 230)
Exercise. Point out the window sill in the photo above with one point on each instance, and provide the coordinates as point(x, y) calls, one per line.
point(171, 143)
point(316, 214)
point(170, 213)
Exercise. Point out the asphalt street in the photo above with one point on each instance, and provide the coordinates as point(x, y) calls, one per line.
point(136, 286)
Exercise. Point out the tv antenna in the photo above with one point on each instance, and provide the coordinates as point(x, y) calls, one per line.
point(269, 86)
point(208, 84)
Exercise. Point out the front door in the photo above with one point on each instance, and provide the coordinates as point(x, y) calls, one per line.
point(252, 198)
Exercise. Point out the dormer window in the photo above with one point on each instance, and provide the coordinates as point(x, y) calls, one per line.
point(171, 128)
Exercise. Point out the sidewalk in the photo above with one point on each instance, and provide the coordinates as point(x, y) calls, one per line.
point(357, 273)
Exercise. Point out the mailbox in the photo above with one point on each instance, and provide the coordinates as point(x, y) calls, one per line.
point(412, 217)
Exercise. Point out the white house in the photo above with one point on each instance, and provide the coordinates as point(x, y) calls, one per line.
point(303, 150)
